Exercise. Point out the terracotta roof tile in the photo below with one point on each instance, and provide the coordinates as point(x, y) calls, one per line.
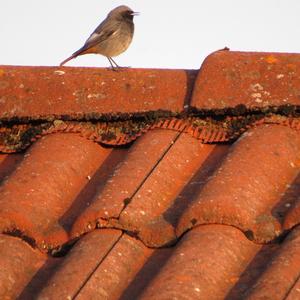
point(294, 292)
point(32, 92)
point(255, 80)
point(71, 275)
point(19, 263)
point(293, 206)
point(243, 192)
point(203, 204)
point(190, 272)
point(8, 163)
point(37, 197)
point(280, 275)
point(174, 170)
point(117, 270)
point(139, 162)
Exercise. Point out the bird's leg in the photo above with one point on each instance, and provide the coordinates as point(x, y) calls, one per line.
point(117, 66)
point(115, 63)
point(111, 61)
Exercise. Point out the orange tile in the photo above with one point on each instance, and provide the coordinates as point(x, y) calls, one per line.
point(203, 204)
point(37, 197)
point(229, 79)
point(40, 92)
point(294, 292)
point(18, 264)
point(8, 163)
point(281, 273)
point(292, 206)
point(203, 264)
point(250, 182)
point(149, 212)
point(117, 270)
point(126, 179)
point(80, 264)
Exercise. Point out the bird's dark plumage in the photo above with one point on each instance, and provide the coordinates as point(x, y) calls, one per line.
point(111, 37)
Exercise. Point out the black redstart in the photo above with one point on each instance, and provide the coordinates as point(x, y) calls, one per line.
point(112, 37)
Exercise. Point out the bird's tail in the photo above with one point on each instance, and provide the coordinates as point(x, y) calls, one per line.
point(74, 55)
point(66, 60)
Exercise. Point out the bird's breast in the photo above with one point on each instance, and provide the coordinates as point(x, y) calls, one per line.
point(116, 43)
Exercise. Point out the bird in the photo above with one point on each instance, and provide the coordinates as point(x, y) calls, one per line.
point(112, 37)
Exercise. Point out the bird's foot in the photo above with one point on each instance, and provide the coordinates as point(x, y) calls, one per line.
point(118, 68)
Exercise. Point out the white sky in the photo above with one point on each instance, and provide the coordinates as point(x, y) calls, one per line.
point(168, 34)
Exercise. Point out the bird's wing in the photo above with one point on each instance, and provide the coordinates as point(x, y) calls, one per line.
point(93, 40)
point(104, 31)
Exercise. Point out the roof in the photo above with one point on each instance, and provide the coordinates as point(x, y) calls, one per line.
point(151, 184)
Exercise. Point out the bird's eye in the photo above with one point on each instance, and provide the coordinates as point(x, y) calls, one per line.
point(128, 14)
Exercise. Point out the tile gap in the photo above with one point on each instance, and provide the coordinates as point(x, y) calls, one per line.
point(127, 201)
point(298, 277)
point(96, 267)
point(16, 233)
point(291, 287)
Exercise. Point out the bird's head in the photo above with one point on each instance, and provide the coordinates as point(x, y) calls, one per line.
point(123, 12)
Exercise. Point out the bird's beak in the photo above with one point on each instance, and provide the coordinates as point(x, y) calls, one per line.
point(135, 13)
